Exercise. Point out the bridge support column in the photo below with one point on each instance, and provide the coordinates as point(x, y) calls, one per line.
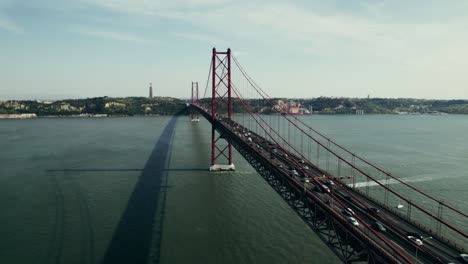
point(193, 112)
point(221, 93)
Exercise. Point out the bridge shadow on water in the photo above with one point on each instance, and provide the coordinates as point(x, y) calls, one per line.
point(137, 238)
point(133, 237)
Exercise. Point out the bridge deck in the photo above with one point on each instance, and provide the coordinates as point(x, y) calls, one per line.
point(336, 197)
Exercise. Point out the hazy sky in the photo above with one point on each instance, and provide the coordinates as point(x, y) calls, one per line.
point(87, 48)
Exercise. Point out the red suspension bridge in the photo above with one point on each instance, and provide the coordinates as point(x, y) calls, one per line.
point(362, 212)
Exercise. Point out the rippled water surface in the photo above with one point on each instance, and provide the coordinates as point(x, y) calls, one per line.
point(86, 190)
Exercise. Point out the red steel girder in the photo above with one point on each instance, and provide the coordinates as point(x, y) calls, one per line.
point(221, 93)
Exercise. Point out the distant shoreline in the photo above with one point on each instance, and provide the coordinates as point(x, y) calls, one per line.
point(161, 106)
point(17, 116)
point(34, 116)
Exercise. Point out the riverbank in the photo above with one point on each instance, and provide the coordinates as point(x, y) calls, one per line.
point(17, 116)
point(162, 106)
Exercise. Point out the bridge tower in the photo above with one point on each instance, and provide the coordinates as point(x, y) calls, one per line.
point(193, 112)
point(220, 101)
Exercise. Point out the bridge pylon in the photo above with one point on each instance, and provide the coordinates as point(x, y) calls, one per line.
point(221, 94)
point(193, 112)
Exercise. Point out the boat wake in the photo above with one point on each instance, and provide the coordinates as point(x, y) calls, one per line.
point(420, 178)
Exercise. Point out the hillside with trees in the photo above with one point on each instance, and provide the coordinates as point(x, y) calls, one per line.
point(131, 106)
point(127, 106)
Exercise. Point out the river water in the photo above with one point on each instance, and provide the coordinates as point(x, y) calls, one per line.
point(122, 190)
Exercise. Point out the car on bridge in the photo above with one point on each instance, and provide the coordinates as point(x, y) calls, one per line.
point(379, 227)
point(415, 240)
point(353, 221)
point(416, 235)
point(293, 173)
point(324, 188)
point(330, 183)
point(348, 212)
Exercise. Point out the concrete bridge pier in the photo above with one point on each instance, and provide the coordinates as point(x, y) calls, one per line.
point(223, 167)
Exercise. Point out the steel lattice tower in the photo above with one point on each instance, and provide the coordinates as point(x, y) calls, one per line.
point(193, 112)
point(221, 95)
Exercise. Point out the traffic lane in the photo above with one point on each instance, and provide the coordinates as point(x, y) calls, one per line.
point(404, 227)
point(396, 222)
point(397, 226)
point(278, 152)
point(446, 255)
point(365, 225)
point(369, 220)
point(254, 141)
point(288, 165)
point(391, 234)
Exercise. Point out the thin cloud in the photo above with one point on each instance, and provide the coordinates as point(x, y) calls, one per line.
point(111, 35)
point(380, 48)
point(204, 38)
point(9, 25)
point(145, 7)
point(339, 34)
point(296, 24)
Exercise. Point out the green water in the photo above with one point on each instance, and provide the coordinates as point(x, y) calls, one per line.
point(70, 188)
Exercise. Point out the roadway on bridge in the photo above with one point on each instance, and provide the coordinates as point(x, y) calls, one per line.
point(340, 197)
